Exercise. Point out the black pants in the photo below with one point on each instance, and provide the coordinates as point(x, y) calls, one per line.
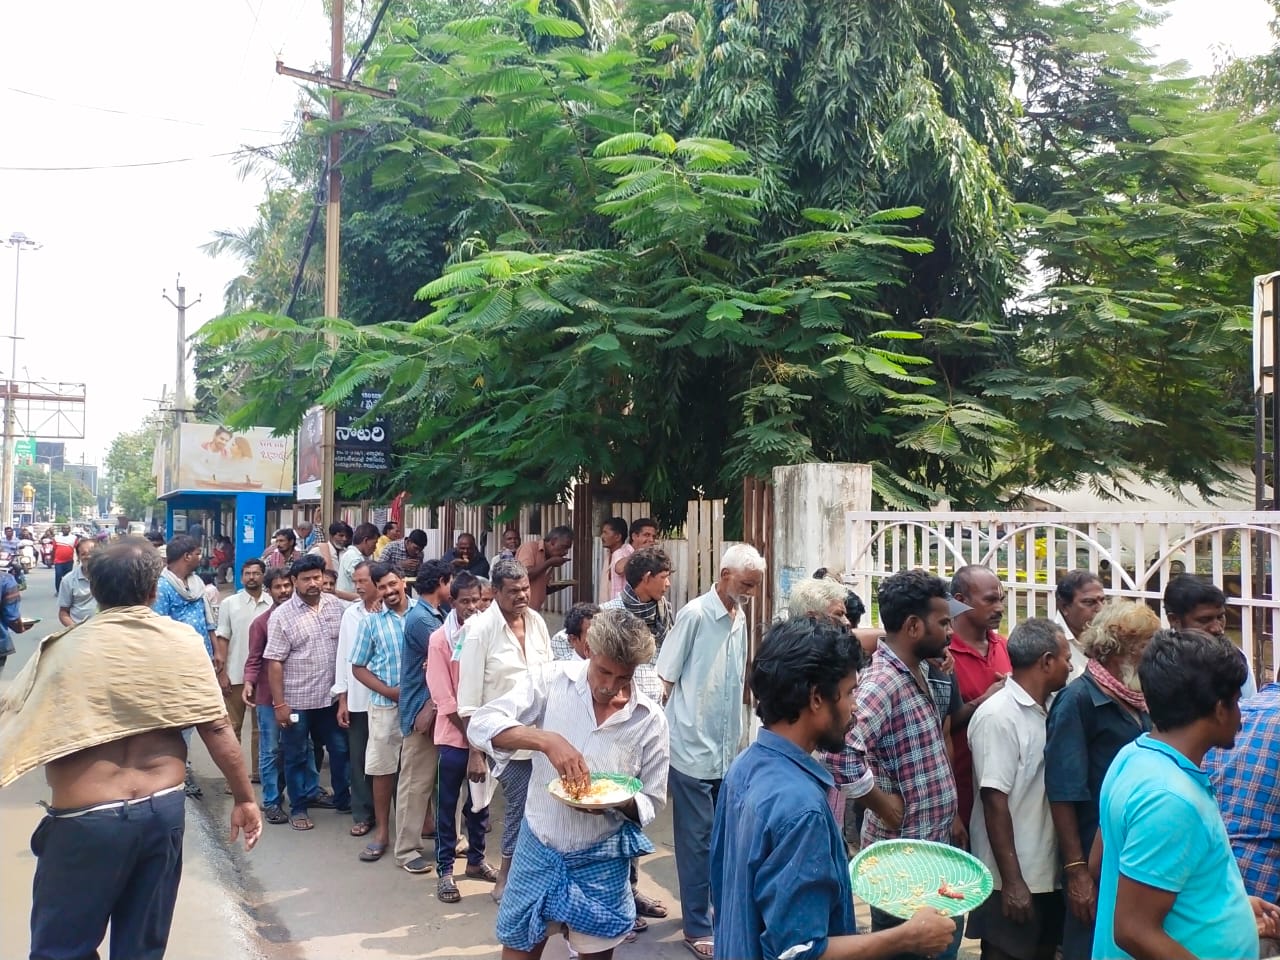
point(452, 783)
point(121, 865)
point(60, 570)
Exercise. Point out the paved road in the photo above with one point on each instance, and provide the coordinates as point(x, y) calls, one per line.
point(297, 896)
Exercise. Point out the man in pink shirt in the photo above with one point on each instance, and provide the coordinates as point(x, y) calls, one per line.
point(458, 761)
point(613, 537)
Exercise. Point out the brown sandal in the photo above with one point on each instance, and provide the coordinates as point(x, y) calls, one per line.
point(361, 829)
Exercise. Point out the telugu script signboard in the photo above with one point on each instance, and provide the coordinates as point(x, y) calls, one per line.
point(365, 448)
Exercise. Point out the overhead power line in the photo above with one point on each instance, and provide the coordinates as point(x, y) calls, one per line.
point(134, 113)
point(139, 163)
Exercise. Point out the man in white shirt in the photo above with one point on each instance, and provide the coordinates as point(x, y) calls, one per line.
point(1012, 826)
point(500, 648)
point(353, 698)
point(579, 718)
point(1079, 595)
point(231, 648)
point(702, 666)
point(363, 540)
point(331, 550)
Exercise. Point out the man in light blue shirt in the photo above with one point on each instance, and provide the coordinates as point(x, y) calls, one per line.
point(1170, 887)
point(702, 666)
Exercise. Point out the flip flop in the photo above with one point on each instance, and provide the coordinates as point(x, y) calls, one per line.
point(640, 924)
point(696, 947)
point(649, 907)
point(373, 852)
point(361, 829)
point(301, 823)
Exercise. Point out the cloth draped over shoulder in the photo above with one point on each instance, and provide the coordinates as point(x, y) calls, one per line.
point(123, 672)
point(588, 890)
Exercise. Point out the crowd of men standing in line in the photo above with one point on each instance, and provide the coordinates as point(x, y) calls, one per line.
point(1068, 757)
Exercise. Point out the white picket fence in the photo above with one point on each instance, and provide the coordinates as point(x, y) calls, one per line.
point(1135, 553)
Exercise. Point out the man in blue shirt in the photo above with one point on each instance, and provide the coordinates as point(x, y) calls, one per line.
point(1170, 887)
point(419, 758)
point(778, 877)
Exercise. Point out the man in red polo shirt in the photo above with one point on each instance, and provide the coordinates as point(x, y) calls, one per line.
point(982, 664)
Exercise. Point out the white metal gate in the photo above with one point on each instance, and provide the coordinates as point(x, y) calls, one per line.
point(1134, 553)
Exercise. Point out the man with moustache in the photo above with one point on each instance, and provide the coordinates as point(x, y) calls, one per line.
point(353, 698)
point(231, 649)
point(981, 665)
point(1193, 603)
point(898, 734)
point(504, 646)
point(571, 870)
point(376, 663)
point(1089, 723)
point(773, 815)
point(1079, 595)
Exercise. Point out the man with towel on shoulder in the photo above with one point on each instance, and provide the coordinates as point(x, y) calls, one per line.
point(102, 706)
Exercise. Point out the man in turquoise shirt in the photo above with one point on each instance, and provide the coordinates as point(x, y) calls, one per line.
point(1170, 888)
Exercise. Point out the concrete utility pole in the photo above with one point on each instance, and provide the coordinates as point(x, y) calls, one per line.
point(332, 225)
point(18, 241)
point(180, 385)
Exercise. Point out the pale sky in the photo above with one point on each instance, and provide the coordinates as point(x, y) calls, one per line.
point(113, 239)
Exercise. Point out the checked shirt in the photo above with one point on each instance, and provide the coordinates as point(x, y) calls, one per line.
point(378, 646)
point(898, 737)
point(305, 640)
point(1246, 780)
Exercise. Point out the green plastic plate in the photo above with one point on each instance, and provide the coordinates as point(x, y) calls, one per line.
point(902, 876)
point(630, 784)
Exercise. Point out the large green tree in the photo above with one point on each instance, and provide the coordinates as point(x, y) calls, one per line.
point(129, 464)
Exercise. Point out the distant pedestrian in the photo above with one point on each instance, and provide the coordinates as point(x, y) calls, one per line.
point(390, 532)
point(109, 849)
point(541, 557)
point(75, 596)
point(466, 556)
point(302, 646)
point(64, 555)
point(406, 555)
point(284, 549)
point(363, 539)
point(331, 550)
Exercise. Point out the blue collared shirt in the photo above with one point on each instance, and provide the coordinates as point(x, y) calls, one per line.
point(1161, 828)
point(1085, 732)
point(778, 880)
point(1247, 781)
point(379, 646)
point(169, 603)
point(420, 622)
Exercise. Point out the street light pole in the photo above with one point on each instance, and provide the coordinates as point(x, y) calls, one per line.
point(48, 469)
point(18, 241)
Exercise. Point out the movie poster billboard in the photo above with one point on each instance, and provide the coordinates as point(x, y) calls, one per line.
point(310, 453)
point(213, 458)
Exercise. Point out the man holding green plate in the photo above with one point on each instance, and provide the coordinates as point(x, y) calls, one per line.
point(777, 854)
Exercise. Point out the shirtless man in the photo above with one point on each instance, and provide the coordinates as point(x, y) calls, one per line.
point(110, 847)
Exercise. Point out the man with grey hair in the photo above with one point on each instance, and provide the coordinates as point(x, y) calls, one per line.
point(819, 598)
point(578, 719)
point(703, 669)
point(1012, 826)
point(500, 648)
point(102, 707)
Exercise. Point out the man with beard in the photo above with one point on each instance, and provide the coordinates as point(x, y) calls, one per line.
point(1079, 596)
point(773, 815)
point(340, 534)
point(613, 538)
point(1169, 887)
point(981, 666)
point(570, 871)
point(898, 734)
point(702, 667)
point(1090, 721)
